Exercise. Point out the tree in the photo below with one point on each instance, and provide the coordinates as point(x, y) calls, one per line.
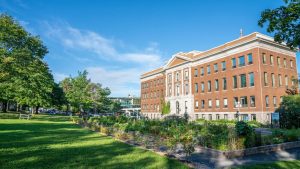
point(24, 76)
point(165, 107)
point(285, 22)
point(83, 95)
point(289, 112)
point(58, 97)
point(115, 106)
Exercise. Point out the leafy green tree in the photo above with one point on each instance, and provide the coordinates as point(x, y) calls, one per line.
point(115, 106)
point(165, 107)
point(58, 97)
point(83, 95)
point(285, 22)
point(24, 76)
point(289, 112)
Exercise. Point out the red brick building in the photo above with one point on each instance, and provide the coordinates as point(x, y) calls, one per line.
point(248, 75)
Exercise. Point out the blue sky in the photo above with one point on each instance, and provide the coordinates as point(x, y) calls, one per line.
point(117, 40)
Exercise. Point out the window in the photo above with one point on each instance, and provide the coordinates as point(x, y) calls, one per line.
point(264, 59)
point(278, 61)
point(272, 60)
point(202, 71)
point(217, 103)
point(177, 90)
point(243, 80)
point(241, 61)
point(196, 87)
point(216, 67)
point(202, 87)
point(244, 102)
point(284, 62)
point(208, 69)
point(292, 63)
point(177, 76)
point(203, 116)
point(196, 104)
point(252, 101)
point(273, 79)
point(280, 80)
point(286, 79)
point(253, 117)
point(250, 59)
point(267, 101)
point(196, 72)
point(274, 101)
point(293, 80)
point(209, 117)
point(209, 86)
point(177, 107)
point(233, 62)
point(225, 102)
point(234, 82)
point(224, 83)
point(170, 90)
point(251, 79)
point(202, 104)
point(223, 65)
point(186, 75)
point(266, 78)
point(281, 98)
point(187, 89)
point(226, 116)
point(235, 101)
point(216, 84)
point(209, 103)
point(217, 117)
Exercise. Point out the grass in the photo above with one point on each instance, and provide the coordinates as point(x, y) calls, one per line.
point(276, 165)
point(54, 142)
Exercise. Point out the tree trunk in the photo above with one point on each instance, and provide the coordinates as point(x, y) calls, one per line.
point(37, 109)
point(7, 106)
point(17, 107)
point(4, 104)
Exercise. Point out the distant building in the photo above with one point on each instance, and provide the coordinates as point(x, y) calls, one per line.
point(131, 105)
point(128, 102)
point(245, 78)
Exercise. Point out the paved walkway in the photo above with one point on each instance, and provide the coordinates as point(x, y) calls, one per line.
point(206, 162)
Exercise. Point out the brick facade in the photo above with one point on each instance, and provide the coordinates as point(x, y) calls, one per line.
point(253, 86)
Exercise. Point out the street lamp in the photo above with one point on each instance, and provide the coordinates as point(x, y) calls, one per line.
point(238, 111)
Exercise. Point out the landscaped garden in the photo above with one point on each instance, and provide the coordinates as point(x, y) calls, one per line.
point(177, 132)
point(54, 142)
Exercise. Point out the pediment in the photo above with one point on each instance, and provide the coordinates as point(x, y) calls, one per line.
point(177, 60)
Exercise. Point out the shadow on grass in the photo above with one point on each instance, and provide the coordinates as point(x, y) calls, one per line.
point(43, 144)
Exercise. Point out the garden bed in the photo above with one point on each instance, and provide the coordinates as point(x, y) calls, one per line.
point(179, 138)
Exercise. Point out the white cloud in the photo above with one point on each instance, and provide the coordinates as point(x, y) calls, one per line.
point(103, 47)
point(122, 81)
point(59, 76)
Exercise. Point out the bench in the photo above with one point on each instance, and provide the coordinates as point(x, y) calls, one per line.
point(25, 116)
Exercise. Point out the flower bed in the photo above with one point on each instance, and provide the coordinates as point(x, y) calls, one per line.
point(176, 135)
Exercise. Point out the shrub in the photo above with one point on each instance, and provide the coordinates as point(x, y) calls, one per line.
point(188, 142)
point(289, 112)
point(243, 129)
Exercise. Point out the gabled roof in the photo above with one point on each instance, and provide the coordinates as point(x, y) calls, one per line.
point(185, 57)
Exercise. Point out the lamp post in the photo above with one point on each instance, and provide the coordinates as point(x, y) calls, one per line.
point(238, 111)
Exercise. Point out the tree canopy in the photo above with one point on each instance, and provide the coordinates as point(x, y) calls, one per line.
point(24, 77)
point(285, 22)
point(83, 95)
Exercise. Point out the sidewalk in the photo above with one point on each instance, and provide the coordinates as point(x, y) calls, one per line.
point(206, 162)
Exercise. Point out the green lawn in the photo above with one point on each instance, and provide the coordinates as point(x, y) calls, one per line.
point(54, 142)
point(276, 165)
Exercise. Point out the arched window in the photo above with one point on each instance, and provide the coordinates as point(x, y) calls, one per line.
point(177, 107)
